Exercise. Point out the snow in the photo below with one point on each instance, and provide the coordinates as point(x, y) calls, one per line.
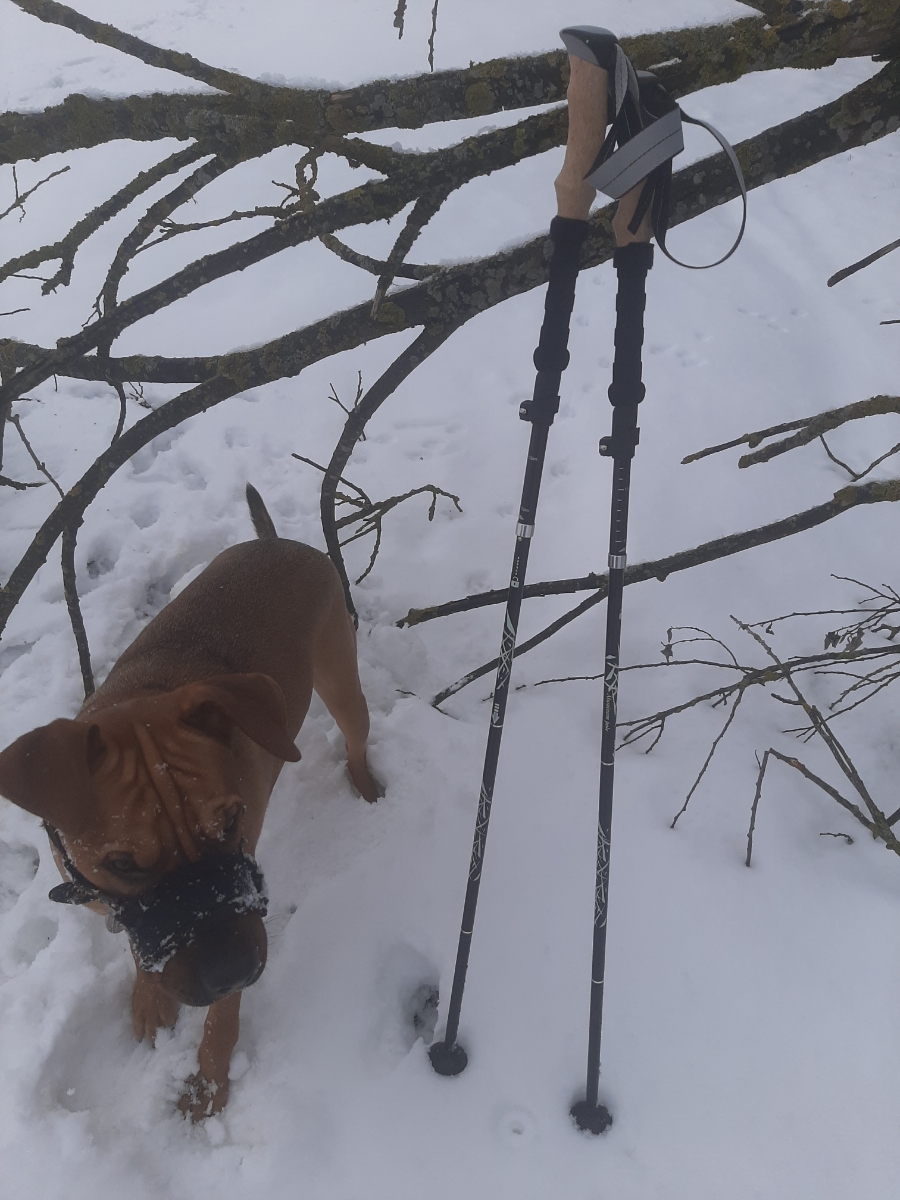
point(750, 1036)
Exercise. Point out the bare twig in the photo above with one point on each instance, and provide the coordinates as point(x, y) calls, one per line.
point(863, 262)
point(158, 212)
point(825, 786)
point(809, 428)
point(709, 757)
point(876, 822)
point(170, 229)
point(14, 419)
point(14, 483)
point(432, 35)
point(335, 398)
point(371, 513)
point(373, 265)
point(70, 589)
point(399, 17)
point(123, 410)
point(856, 475)
point(373, 516)
point(755, 805)
point(406, 362)
point(67, 247)
point(20, 199)
point(642, 727)
point(423, 210)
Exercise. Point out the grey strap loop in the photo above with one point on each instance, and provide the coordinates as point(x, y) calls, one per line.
point(739, 175)
point(625, 80)
point(650, 148)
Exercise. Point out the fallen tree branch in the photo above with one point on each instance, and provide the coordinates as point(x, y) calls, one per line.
point(443, 302)
point(842, 501)
point(859, 117)
point(683, 59)
point(374, 201)
point(809, 428)
point(876, 822)
point(642, 727)
point(661, 568)
point(66, 248)
point(154, 56)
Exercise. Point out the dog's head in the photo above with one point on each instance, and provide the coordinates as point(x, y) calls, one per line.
point(146, 797)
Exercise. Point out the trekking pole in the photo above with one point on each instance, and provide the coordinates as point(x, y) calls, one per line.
point(646, 128)
point(632, 261)
point(631, 164)
point(587, 125)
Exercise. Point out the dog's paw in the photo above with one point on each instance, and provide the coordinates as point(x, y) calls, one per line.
point(152, 1008)
point(202, 1098)
point(370, 788)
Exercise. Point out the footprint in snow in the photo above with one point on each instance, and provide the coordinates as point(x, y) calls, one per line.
point(516, 1127)
point(405, 1002)
point(18, 866)
point(33, 935)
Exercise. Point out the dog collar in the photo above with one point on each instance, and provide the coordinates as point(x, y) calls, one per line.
point(165, 918)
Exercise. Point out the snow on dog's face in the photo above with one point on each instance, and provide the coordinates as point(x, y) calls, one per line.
point(199, 926)
point(145, 796)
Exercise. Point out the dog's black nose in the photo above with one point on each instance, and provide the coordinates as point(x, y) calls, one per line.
point(229, 971)
point(229, 955)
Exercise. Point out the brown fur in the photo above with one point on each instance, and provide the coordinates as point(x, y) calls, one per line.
point(174, 757)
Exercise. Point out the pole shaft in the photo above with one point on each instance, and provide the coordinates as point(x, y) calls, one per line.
point(527, 510)
point(626, 391)
point(551, 358)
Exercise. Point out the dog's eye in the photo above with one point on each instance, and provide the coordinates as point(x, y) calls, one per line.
point(123, 864)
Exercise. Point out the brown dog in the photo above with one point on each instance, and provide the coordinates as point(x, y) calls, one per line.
point(155, 794)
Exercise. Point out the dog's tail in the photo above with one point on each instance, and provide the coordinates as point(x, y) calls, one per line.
point(259, 514)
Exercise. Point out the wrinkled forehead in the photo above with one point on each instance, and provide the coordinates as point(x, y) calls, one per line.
point(152, 779)
point(148, 735)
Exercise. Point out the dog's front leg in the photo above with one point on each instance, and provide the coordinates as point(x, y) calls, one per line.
point(207, 1092)
point(336, 679)
point(152, 1008)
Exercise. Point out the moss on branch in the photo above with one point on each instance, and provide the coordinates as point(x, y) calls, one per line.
point(457, 293)
point(684, 59)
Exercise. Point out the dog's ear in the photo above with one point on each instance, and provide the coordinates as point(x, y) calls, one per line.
point(47, 772)
point(255, 703)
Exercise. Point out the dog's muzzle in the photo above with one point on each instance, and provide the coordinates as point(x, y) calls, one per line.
point(165, 918)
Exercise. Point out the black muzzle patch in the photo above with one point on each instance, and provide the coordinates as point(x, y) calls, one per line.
point(165, 918)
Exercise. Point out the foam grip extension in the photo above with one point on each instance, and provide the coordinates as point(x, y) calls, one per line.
point(591, 52)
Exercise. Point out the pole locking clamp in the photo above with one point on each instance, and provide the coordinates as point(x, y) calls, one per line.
point(620, 443)
point(544, 404)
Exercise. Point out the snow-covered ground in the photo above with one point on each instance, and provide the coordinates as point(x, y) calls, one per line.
point(750, 1036)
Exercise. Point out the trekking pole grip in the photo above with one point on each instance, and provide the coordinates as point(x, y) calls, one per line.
point(594, 55)
point(587, 96)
